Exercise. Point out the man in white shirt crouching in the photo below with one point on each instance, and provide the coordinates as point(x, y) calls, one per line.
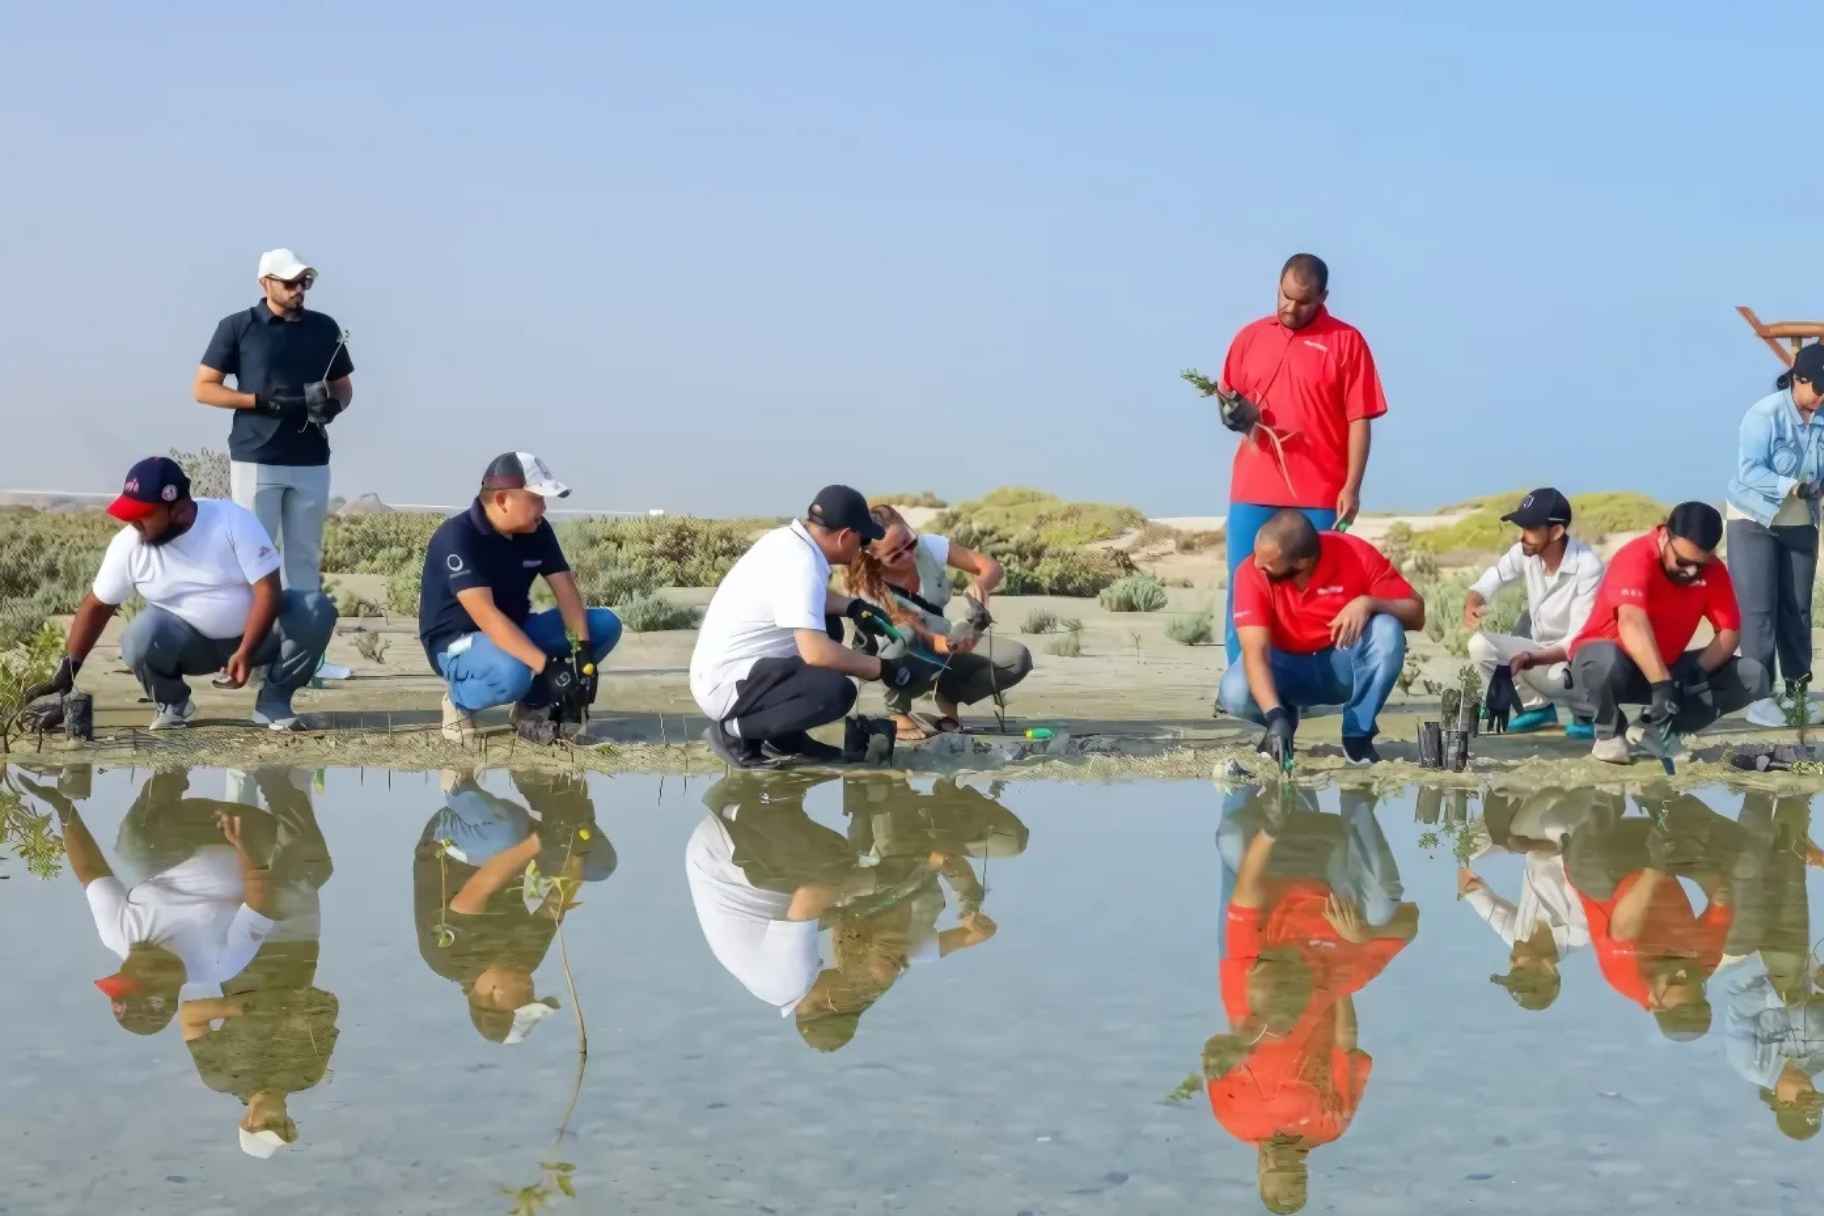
point(210, 578)
point(1561, 575)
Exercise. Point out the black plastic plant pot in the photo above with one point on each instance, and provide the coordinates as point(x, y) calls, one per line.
point(1431, 745)
point(1456, 750)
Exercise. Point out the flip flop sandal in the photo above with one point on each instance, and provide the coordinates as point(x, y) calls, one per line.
point(947, 724)
point(912, 729)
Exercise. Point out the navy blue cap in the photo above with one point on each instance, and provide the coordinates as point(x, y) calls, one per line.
point(156, 481)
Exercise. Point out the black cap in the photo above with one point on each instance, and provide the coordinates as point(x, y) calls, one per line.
point(154, 482)
point(1543, 506)
point(838, 507)
point(1808, 364)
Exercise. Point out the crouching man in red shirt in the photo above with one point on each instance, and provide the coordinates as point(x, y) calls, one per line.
point(1322, 619)
point(1632, 650)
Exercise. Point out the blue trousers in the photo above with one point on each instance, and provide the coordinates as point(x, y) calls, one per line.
point(162, 648)
point(1359, 678)
point(482, 675)
point(1243, 522)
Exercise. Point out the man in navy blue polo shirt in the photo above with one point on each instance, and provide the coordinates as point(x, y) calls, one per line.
point(291, 371)
point(475, 613)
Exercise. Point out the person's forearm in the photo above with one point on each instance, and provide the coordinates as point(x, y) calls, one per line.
point(343, 390)
point(570, 607)
point(1551, 654)
point(86, 861)
point(493, 876)
point(1361, 438)
point(1720, 650)
point(511, 638)
point(817, 649)
point(92, 616)
point(1409, 612)
point(256, 886)
point(260, 615)
point(1638, 641)
point(1345, 1024)
point(1630, 915)
point(1403, 925)
point(1259, 669)
point(991, 575)
point(1473, 604)
point(209, 392)
point(1251, 878)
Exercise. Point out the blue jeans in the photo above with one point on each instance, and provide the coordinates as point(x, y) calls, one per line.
point(1243, 522)
point(1358, 677)
point(482, 675)
point(162, 648)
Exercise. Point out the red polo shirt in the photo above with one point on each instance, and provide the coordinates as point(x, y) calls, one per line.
point(1299, 618)
point(1310, 384)
point(1303, 1085)
point(1296, 918)
point(1636, 578)
point(1671, 930)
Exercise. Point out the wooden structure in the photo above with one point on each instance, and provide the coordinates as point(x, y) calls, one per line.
point(1795, 332)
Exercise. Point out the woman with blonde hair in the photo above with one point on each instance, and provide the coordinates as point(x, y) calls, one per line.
point(907, 576)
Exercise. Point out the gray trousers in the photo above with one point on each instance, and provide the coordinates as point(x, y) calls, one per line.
point(290, 502)
point(1604, 678)
point(162, 648)
point(1772, 569)
point(969, 677)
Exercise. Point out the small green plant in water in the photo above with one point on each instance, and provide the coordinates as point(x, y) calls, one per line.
point(1187, 1089)
point(554, 1179)
point(33, 837)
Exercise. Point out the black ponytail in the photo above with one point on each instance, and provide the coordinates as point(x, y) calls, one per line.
point(1784, 381)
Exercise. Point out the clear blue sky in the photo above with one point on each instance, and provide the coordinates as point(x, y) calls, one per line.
point(708, 257)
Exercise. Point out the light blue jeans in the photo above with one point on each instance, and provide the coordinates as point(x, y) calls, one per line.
point(482, 675)
point(1243, 522)
point(1359, 678)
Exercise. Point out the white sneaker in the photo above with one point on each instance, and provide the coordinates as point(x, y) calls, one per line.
point(458, 726)
point(1613, 750)
point(173, 717)
point(1813, 710)
point(1767, 712)
point(278, 722)
point(332, 671)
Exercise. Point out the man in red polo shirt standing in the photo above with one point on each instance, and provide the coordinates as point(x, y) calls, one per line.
point(1632, 649)
point(1322, 619)
point(1309, 391)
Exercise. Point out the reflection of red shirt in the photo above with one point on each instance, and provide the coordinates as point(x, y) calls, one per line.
point(1671, 930)
point(1310, 384)
point(1298, 619)
point(1295, 917)
point(1636, 578)
point(1301, 1085)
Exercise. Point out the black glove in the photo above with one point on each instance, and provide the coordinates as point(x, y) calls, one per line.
point(896, 673)
point(1277, 742)
point(1664, 705)
point(869, 619)
point(1694, 689)
point(1808, 489)
point(61, 681)
point(566, 685)
point(320, 404)
point(1502, 699)
point(1238, 413)
point(589, 679)
point(287, 405)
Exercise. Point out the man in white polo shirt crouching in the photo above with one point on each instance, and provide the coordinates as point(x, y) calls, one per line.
point(766, 668)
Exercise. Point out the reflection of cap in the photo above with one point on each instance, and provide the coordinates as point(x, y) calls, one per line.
point(118, 986)
point(1542, 507)
point(154, 482)
point(522, 471)
point(263, 1143)
point(1808, 364)
point(841, 507)
point(526, 1017)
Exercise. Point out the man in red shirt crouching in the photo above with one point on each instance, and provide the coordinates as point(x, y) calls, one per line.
point(1322, 620)
point(1632, 650)
point(1650, 944)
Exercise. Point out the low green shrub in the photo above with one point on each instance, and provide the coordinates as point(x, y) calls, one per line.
point(1135, 593)
point(1593, 516)
point(922, 498)
point(1070, 646)
point(1444, 612)
point(402, 588)
point(1039, 620)
point(645, 613)
point(1192, 630)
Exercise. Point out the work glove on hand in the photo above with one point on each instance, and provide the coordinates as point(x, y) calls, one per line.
point(320, 404)
point(61, 681)
point(1694, 689)
point(287, 405)
point(1277, 742)
point(1664, 704)
point(589, 680)
point(1502, 699)
point(896, 672)
point(1809, 489)
point(1238, 413)
point(869, 619)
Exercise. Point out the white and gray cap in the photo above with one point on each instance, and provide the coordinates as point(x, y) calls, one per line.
point(523, 471)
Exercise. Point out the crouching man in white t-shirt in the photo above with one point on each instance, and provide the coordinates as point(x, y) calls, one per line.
point(210, 578)
point(768, 666)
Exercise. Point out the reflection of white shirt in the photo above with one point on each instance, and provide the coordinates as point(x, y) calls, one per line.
point(1761, 1033)
point(1559, 603)
point(1546, 897)
point(205, 576)
point(777, 588)
point(193, 909)
point(774, 958)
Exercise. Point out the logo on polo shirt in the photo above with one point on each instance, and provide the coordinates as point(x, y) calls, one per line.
point(1314, 344)
point(265, 551)
point(532, 563)
point(1333, 589)
point(454, 562)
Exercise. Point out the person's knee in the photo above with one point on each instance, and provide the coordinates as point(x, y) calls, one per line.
point(1021, 667)
point(1756, 680)
point(604, 631)
point(1384, 641)
point(147, 639)
point(1233, 693)
point(840, 695)
point(313, 616)
point(1482, 651)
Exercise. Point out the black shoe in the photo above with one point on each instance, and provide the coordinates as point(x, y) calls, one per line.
point(736, 753)
point(1360, 749)
point(800, 746)
point(536, 730)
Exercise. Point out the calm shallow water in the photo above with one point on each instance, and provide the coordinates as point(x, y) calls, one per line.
point(1027, 1072)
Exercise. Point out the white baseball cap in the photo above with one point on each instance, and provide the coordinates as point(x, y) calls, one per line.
point(263, 1143)
point(284, 265)
point(522, 471)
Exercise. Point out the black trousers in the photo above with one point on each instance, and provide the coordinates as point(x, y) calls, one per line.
point(783, 697)
point(1772, 569)
point(1604, 678)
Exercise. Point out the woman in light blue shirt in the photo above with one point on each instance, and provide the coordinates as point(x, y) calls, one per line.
point(1773, 529)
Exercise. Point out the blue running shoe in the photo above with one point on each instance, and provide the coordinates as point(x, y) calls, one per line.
point(1533, 719)
point(1579, 729)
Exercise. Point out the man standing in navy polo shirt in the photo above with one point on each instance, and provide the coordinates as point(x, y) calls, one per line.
point(291, 371)
point(475, 613)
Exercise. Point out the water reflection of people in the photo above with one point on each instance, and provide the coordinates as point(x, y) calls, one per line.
point(482, 896)
point(200, 913)
point(1548, 922)
point(1650, 944)
point(1773, 1012)
point(1315, 912)
point(766, 879)
point(271, 1031)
